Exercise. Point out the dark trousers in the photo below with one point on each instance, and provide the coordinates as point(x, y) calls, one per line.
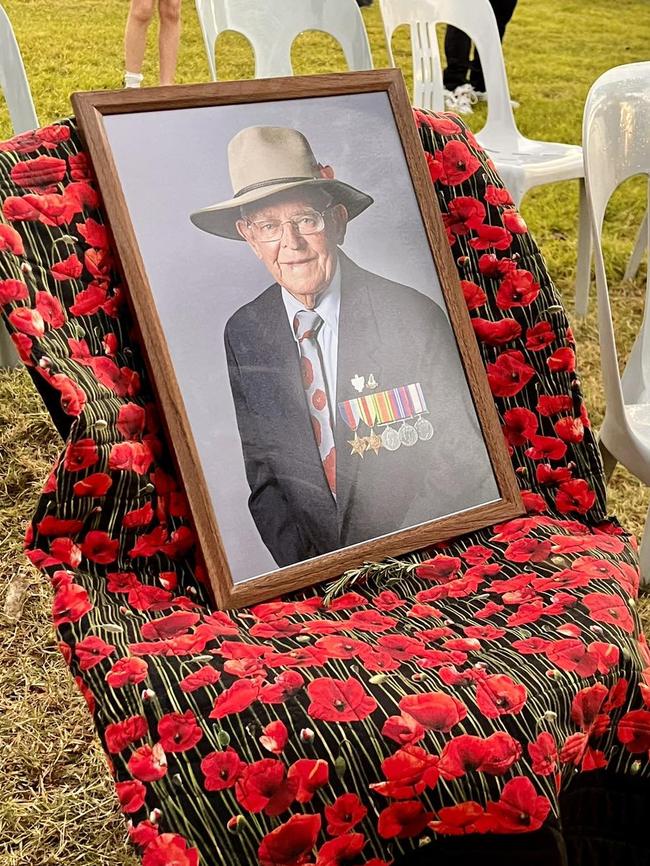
point(458, 46)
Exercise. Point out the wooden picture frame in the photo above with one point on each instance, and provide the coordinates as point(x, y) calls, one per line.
point(139, 111)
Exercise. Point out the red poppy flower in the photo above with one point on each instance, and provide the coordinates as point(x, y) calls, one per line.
point(474, 294)
point(80, 455)
point(496, 195)
point(339, 851)
point(12, 290)
point(528, 550)
point(235, 699)
point(441, 568)
point(458, 163)
point(10, 240)
point(491, 266)
point(546, 448)
point(274, 737)
point(570, 429)
point(610, 609)
point(562, 361)
point(496, 333)
point(97, 484)
point(435, 711)
point(434, 165)
point(440, 124)
point(131, 795)
point(387, 600)
point(518, 288)
point(539, 336)
point(514, 222)
point(572, 655)
point(58, 526)
point(99, 547)
point(586, 706)
point(70, 603)
point(179, 732)
point(91, 651)
point(263, 786)
point(509, 374)
point(291, 843)
point(339, 700)
point(633, 731)
point(465, 213)
point(487, 236)
point(519, 809)
point(119, 735)
point(547, 474)
point(458, 820)
point(494, 755)
point(89, 300)
point(520, 424)
point(148, 763)
point(544, 755)
point(38, 173)
point(498, 695)
point(27, 321)
point(403, 820)
point(575, 495)
point(402, 729)
point(175, 623)
point(169, 849)
point(285, 686)
point(308, 775)
point(408, 772)
point(127, 671)
point(140, 517)
point(370, 620)
point(344, 813)
point(221, 769)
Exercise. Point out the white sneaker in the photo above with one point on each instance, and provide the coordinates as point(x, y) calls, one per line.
point(465, 96)
point(450, 100)
point(481, 96)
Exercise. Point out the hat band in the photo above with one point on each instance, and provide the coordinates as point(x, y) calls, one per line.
point(273, 182)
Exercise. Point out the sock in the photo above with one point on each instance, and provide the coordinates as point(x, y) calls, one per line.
point(132, 79)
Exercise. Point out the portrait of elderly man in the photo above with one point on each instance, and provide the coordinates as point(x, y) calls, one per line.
point(352, 406)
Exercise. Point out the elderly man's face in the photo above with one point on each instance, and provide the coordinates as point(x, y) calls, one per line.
point(303, 264)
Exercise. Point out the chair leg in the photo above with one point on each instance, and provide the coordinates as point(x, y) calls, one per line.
point(609, 461)
point(8, 355)
point(638, 251)
point(644, 555)
point(583, 267)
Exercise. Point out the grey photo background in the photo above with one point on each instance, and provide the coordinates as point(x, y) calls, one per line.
point(171, 163)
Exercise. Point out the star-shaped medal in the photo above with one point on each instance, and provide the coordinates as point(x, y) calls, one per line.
point(358, 445)
point(373, 443)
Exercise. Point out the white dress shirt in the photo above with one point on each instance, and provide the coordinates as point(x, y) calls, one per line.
point(328, 307)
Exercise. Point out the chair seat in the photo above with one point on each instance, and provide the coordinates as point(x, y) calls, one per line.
point(543, 161)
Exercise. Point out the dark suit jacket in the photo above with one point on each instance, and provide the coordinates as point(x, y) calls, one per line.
point(402, 337)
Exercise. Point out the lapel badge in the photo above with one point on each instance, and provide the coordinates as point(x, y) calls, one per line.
point(357, 382)
point(371, 382)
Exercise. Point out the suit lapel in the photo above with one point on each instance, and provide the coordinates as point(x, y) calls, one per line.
point(359, 354)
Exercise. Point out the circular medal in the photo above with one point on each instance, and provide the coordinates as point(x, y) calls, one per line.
point(407, 435)
point(390, 439)
point(424, 429)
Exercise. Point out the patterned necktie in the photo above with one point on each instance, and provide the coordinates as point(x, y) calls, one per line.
point(306, 325)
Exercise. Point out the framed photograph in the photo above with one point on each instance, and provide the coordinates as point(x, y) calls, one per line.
point(303, 323)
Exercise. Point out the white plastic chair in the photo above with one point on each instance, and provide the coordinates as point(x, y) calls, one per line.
point(522, 162)
point(15, 88)
point(640, 246)
point(616, 143)
point(271, 27)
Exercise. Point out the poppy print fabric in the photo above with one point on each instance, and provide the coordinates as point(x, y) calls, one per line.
point(456, 694)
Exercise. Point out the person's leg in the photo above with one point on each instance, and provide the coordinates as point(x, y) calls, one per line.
point(503, 12)
point(169, 38)
point(457, 48)
point(135, 38)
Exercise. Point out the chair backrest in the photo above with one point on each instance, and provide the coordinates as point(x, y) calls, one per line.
point(474, 17)
point(271, 27)
point(13, 80)
point(616, 146)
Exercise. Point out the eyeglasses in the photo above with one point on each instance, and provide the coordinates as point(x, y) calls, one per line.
point(308, 223)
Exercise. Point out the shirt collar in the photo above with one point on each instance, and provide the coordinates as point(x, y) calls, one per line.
point(328, 306)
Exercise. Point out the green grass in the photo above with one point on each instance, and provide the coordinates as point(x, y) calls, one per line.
point(56, 804)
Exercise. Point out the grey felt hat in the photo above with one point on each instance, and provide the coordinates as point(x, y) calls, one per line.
point(264, 161)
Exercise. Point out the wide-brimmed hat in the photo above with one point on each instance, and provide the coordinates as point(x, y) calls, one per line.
point(264, 161)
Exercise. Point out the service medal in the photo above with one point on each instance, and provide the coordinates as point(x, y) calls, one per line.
point(407, 435)
point(424, 429)
point(390, 439)
point(373, 442)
